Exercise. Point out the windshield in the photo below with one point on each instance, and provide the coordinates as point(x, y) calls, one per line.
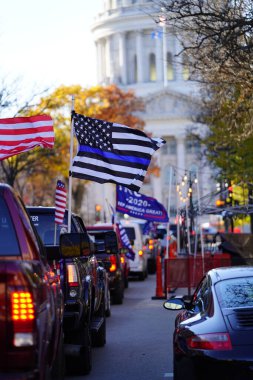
point(130, 232)
point(45, 225)
point(8, 239)
point(236, 292)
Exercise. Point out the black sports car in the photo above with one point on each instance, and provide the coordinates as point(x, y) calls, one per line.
point(213, 336)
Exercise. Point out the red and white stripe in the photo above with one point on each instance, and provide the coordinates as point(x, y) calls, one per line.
point(60, 203)
point(21, 134)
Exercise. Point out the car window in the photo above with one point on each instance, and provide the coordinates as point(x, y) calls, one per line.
point(236, 292)
point(201, 296)
point(130, 232)
point(45, 225)
point(8, 239)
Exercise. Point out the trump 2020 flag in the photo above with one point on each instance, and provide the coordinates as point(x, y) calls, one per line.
point(110, 152)
point(60, 202)
point(126, 242)
point(140, 206)
point(20, 134)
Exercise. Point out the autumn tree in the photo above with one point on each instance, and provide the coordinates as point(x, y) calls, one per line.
point(217, 37)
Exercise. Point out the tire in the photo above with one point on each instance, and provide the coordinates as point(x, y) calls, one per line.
point(82, 363)
point(99, 337)
point(183, 369)
point(59, 366)
point(126, 282)
point(142, 276)
point(108, 305)
point(117, 297)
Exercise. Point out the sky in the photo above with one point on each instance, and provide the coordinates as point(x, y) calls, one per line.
point(47, 43)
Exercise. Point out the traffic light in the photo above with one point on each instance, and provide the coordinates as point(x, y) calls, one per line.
point(230, 195)
point(98, 212)
point(219, 203)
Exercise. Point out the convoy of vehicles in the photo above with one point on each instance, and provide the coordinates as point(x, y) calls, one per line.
point(56, 288)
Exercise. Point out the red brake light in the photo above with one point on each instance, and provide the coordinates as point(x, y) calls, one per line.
point(22, 311)
point(113, 261)
point(214, 341)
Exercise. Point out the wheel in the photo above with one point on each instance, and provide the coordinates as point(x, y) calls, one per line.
point(126, 282)
point(108, 305)
point(142, 276)
point(117, 296)
point(99, 337)
point(80, 364)
point(183, 369)
point(58, 367)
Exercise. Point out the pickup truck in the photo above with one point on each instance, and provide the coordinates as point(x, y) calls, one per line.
point(82, 281)
point(31, 302)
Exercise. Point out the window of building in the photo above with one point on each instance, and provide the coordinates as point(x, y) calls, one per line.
point(192, 146)
point(170, 71)
point(152, 68)
point(170, 147)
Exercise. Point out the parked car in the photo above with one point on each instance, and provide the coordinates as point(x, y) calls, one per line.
point(138, 266)
point(31, 302)
point(213, 336)
point(82, 281)
point(107, 250)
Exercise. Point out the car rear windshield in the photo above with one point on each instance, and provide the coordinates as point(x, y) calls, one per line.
point(45, 225)
point(236, 292)
point(8, 239)
point(130, 232)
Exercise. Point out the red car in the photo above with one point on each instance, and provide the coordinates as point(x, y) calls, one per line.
point(31, 301)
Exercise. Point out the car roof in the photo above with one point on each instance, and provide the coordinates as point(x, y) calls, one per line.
point(225, 273)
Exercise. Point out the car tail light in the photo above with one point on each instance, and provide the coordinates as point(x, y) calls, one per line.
point(213, 341)
point(72, 275)
point(22, 317)
point(151, 244)
point(113, 261)
point(122, 259)
point(140, 252)
point(72, 279)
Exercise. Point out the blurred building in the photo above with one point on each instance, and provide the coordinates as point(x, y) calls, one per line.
point(134, 52)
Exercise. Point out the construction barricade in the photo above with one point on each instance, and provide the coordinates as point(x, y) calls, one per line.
point(187, 271)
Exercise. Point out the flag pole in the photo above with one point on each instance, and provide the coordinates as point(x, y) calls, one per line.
point(70, 164)
point(168, 224)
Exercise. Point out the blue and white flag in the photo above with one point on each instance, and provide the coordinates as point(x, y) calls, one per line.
point(126, 242)
point(110, 152)
point(148, 227)
point(139, 206)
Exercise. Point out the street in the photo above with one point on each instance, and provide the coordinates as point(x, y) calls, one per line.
point(139, 338)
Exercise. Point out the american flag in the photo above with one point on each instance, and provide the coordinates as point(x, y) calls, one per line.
point(21, 134)
point(110, 152)
point(60, 202)
point(126, 242)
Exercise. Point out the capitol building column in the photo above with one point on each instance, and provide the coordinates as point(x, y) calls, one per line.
point(157, 181)
point(159, 60)
point(108, 66)
point(180, 155)
point(122, 57)
point(139, 54)
point(100, 65)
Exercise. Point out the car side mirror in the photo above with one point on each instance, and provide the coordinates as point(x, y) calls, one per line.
point(174, 304)
point(74, 245)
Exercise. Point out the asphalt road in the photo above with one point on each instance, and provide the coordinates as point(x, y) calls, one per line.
point(139, 338)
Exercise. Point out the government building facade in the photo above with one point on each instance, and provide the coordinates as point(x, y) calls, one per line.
point(137, 53)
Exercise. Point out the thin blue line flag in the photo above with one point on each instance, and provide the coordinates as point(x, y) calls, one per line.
point(110, 152)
